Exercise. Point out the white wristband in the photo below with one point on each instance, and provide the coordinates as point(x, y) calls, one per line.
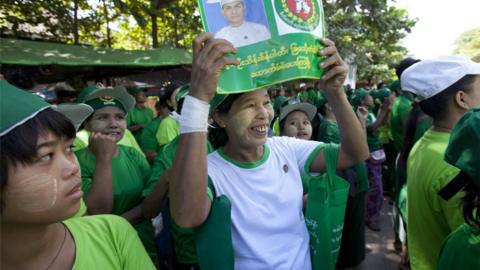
point(194, 117)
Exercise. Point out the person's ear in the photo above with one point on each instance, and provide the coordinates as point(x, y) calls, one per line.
point(220, 119)
point(461, 99)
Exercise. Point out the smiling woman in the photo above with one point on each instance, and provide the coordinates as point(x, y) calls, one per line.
point(258, 175)
point(114, 176)
point(41, 190)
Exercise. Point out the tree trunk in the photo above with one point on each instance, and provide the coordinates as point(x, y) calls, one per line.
point(154, 31)
point(75, 22)
point(105, 10)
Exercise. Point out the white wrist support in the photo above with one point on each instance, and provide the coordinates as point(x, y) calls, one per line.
point(194, 117)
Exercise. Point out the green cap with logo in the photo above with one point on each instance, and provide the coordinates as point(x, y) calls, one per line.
point(464, 146)
point(98, 98)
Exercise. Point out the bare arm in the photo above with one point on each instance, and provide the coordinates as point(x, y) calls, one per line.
point(152, 205)
point(189, 201)
point(353, 143)
point(382, 117)
point(100, 196)
point(134, 215)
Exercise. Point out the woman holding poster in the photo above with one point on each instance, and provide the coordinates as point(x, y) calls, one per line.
point(260, 176)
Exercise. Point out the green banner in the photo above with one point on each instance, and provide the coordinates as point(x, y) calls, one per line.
point(277, 40)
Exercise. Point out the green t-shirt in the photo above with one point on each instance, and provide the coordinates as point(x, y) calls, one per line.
point(372, 137)
point(167, 130)
point(106, 242)
point(328, 132)
point(148, 140)
point(139, 116)
point(82, 210)
point(401, 108)
point(183, 240)
point(82, 136)
point(430, 218)
point(461, 250)
point(130, 175)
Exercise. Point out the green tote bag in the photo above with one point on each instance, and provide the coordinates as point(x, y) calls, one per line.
point(325, 213)
point(214, 237)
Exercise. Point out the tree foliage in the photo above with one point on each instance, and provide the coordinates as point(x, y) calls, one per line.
point(468, 44)
point(367, 32)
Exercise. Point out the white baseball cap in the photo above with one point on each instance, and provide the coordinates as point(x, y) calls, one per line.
point(430, 77)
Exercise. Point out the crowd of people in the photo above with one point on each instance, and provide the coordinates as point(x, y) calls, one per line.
point(210, 181)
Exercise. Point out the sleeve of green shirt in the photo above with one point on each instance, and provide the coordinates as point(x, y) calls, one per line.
point(450, 209)
point(167, 131)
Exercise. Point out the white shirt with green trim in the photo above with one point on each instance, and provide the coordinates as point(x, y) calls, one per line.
point(268, 226)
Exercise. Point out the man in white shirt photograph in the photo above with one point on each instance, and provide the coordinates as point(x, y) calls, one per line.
point(239, 31)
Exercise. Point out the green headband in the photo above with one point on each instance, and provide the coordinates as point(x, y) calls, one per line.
point(99, 103)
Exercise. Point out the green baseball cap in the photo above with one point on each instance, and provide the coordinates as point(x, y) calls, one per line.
point(98, 98)
point(380, 94)
point(358, 96)
point(464, 146)
point(17, 106)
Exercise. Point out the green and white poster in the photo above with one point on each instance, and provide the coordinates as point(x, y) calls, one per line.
point(277, 40)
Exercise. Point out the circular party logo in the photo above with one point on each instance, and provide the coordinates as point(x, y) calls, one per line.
point(300, 14)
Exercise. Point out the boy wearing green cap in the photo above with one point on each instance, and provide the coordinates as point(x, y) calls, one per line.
point(41, 189)
point(140, 115)
point(114, 176)
point(448, 87)
point(462, 247)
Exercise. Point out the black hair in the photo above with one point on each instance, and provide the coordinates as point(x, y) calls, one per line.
point(404, 64)
point(20, 144)
point(436, 106)
point(471, 203)
point(167, 93)
point(217, 135)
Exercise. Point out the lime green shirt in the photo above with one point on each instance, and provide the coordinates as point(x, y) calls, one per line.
point(430, 218)
point(130, 176)
point(82, 210)
point(401, 107)
point(139, 116)
point(106, 242)
point(148, 140)
point(167, 130)
point(183, 239)
point(461, 250)
point(82, 136)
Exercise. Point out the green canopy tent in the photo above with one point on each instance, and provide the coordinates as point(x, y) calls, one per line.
point(49, 62)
